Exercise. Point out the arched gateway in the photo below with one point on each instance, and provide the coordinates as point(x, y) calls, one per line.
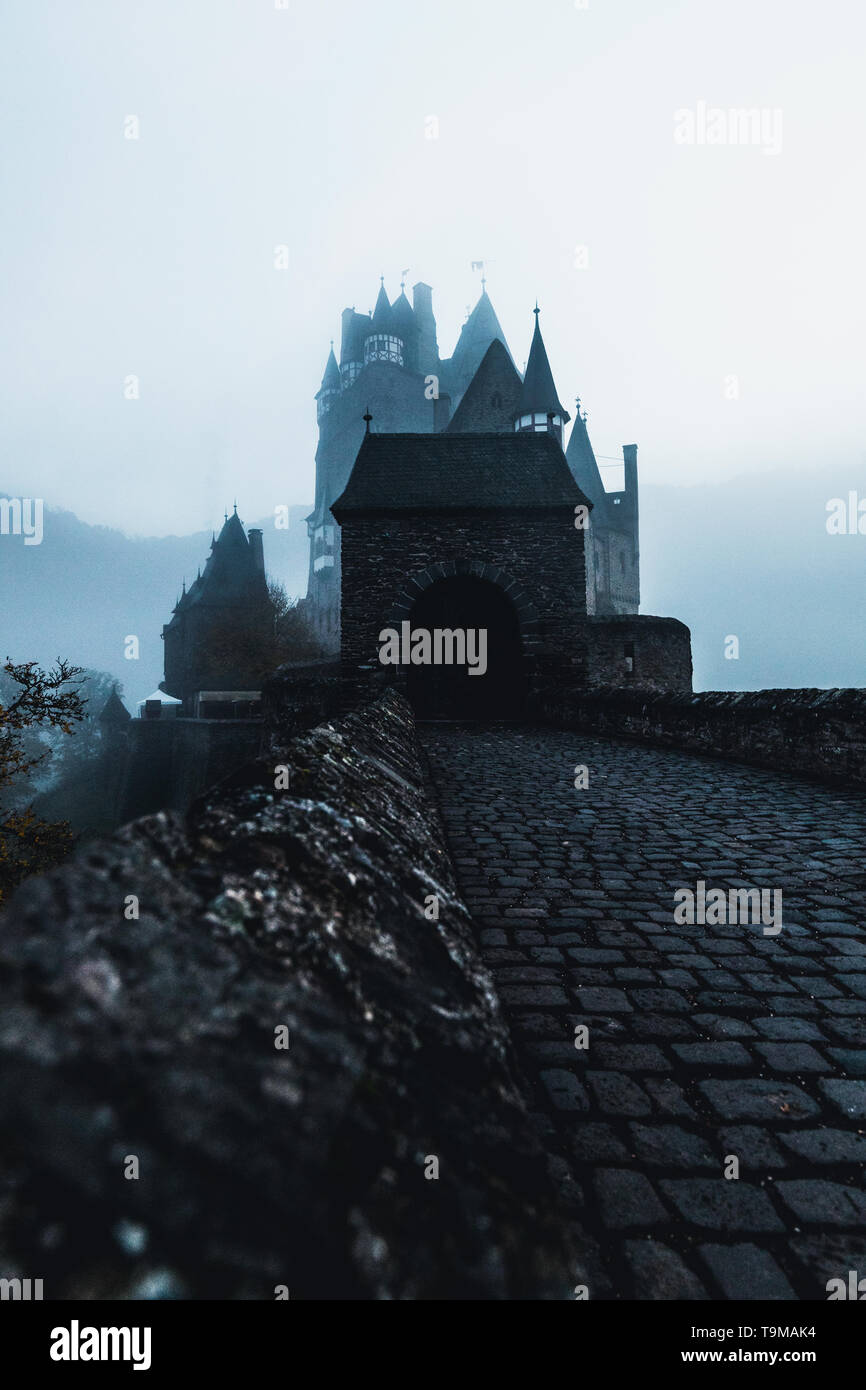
point(478, 622)
point(463, 569)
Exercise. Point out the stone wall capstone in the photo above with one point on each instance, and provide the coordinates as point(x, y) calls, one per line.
point(153, 1037)
point(818, 733)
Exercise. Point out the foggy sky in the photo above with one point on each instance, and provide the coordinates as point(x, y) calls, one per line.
point(306, 127)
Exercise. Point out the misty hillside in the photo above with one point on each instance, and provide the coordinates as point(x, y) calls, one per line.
point(747, 558)
point(85, 588)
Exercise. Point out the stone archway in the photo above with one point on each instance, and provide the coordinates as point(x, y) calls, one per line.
point(527, 617)
point(455, 600)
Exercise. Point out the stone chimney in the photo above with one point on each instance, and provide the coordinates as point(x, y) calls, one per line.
point(629, 455)
point(428, 348)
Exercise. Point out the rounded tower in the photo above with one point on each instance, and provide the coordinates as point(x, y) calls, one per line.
point(382, 343)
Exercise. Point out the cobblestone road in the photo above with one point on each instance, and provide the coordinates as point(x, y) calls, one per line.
point(704, 1041)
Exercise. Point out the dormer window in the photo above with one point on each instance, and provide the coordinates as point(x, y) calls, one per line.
point(382, 347)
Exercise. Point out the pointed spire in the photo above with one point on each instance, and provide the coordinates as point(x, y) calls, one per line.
point(581, 459)
point(476, 335)
point(114, 710)
point(539, 395)
point(403, 323)
point(368, 419)
point(331, 380)
point(382, 311)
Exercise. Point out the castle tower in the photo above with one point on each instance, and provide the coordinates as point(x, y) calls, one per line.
point(539, 408)
point(387, 360)
point(613, 549)
point(331, 387)
point(217, 638)
point(383, 343)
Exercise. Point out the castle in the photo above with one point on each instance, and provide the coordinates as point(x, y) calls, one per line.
point(447, 499)
point(447, 507)
point(217, 640)
point(390, 369)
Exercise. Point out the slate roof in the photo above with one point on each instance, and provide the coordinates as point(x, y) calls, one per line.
point(331, 380)
point(230, 575)
point(539, 391)
point(403, 317)
point(476, 335)
point(382, 318)
point(356, 327)
point(455, 472)
point(581, 461)
point(114, 711)
point(492, 396)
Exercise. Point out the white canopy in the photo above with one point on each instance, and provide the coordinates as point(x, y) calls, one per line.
point(162, 697)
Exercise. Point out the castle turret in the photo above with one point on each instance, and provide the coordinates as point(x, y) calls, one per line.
point(478, 332)
point(382, 343)
point(330, 388)
point(220, 627)
point(540, 409)
point(114, 712)
point(582, 462)
point(405, 329)
point(355, 329)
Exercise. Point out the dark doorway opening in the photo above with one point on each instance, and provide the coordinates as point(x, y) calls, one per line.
point(460, 604)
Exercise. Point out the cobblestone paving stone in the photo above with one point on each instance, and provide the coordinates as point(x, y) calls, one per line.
point(704, 1041)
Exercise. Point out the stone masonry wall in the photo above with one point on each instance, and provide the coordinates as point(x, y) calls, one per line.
point(542, 552)
point(168, 762)
point(152, 1038)
point(818, 733)
point(660, 649)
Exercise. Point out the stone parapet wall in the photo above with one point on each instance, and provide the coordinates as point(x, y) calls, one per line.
point(819, 733)
point(310, 1166)
point(659, 650)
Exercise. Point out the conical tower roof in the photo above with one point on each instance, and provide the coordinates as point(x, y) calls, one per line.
point(403, 316)
point(539, 390)
point(581, 460)
point(476, 335)
point(331, 380)
point(382, 318)
point(114, 710)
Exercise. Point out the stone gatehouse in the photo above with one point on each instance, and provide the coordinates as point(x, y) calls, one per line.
point(484, 531)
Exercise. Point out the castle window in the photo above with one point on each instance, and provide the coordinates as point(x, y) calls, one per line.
point(381, 347)
point(629, 658)
point(326, 400)
point(536, 423)
point(349, 372)
point(323, 562)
